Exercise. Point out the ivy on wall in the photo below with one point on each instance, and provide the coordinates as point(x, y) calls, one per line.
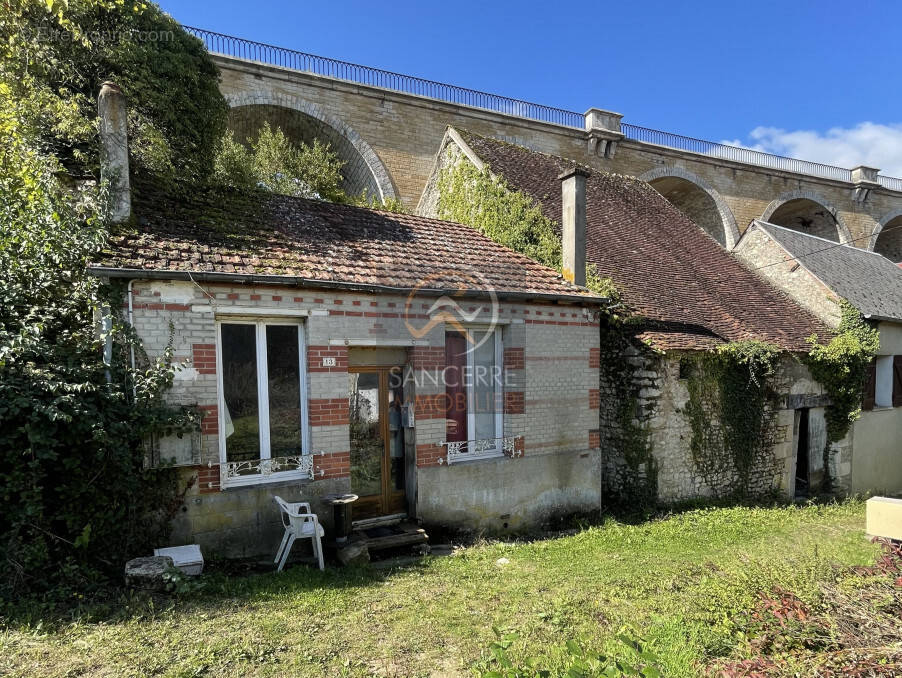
point(732, 413)
point(631, 471)
point(841, 366)
point(511, 218)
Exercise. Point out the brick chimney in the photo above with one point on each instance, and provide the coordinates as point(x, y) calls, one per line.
point(573, 224)
point(114, 150)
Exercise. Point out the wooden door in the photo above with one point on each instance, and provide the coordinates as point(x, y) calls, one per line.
point(375, 398)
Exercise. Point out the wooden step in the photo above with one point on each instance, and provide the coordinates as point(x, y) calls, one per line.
point(392, 536)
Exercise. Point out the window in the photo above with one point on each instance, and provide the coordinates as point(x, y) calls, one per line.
point(262, 402)
point(475, 394)
point(883, 386)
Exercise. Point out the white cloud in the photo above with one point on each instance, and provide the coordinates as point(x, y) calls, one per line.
point(867, 143)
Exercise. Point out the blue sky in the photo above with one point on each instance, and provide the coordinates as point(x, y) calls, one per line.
point(818, 80)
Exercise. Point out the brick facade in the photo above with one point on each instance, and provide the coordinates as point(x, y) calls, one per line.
point(546, 410)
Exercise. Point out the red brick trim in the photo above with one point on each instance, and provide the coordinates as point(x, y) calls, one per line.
point(203, 357)
point(208, 479)
point(514, 402)
point(430, 455)
point(315, 355)
point(594, 399)
point(209, 423)
point(427, 357)
point(329, 411)
point(331, 465)
point(594, 439)
point(594, 358)
point(514, 359)
point(432, 406)
point(530, 321)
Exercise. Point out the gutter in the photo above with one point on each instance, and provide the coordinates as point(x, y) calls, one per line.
point(295, 281)
point(881, 318)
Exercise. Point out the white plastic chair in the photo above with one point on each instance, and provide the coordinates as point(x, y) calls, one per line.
point(300, 523)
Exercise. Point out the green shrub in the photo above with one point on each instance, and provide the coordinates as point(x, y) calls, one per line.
point(275, 164)
point(55, 55)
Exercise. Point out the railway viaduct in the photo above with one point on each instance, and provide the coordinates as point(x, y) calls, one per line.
point(387, 128)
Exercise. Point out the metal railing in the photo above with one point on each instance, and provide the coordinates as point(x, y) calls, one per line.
point(364, 75)
point(746, 156)
point(892, 183)
point(261, 52)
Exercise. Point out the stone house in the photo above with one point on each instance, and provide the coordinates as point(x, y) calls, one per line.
point(817, 273)
point(337, 349)
point(686, 296)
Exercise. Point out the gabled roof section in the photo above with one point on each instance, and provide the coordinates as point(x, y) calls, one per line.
point(668, 269)
point(869, 281)
point(265, 235)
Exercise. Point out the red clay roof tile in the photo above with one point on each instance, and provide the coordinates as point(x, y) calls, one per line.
point(667, 268)
point(274, 235)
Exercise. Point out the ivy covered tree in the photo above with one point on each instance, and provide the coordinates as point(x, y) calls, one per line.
point(56, 54)
point(76, 498)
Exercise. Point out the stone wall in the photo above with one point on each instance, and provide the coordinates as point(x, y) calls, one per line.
point(548, 401)
point(657, 386)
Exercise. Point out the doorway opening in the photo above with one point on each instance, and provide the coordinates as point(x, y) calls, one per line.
point(803, 469)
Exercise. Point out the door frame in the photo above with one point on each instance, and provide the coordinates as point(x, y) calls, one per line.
point(389, 501)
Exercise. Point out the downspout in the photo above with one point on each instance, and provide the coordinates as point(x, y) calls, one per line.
point(131, 323)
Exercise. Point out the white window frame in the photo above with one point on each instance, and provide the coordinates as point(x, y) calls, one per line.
point(498, 449)
point(263, 399)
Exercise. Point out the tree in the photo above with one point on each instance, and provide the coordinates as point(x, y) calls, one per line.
point(55, 54)
point(273, 163)
point(76, 498)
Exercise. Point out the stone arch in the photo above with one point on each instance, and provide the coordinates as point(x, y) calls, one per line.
point(785, 207)
point(356, 152)
point(726, 232)
point(891, 243)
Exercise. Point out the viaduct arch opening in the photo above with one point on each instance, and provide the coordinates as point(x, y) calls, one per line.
point(698, 200)
point(302, 122)
point(887, 238)
point(809, 213)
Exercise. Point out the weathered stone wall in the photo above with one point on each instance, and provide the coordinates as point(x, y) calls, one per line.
point(404, 131)
point(661, 394)
point(549, 403)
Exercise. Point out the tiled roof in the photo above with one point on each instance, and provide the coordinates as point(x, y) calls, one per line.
point(871, 282)
point(264, 234)
point(667, 268)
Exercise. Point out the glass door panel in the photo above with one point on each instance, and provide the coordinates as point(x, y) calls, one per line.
point(239, 385)
point(284, 373)
point(367, 433)
point(396, 442)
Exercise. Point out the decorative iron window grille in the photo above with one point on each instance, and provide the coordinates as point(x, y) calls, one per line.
point(254, 469)
point(463, 450)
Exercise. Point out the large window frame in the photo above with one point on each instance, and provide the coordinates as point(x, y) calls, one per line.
point(304, 470)
point(473, 448)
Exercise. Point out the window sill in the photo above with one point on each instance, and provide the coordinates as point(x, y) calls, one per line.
point(477, 458)
point(257, 479)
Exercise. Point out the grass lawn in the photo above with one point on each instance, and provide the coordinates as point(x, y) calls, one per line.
point(685, 583)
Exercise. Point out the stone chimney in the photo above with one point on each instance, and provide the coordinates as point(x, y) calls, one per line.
point(114, 150)
point(573, 224)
